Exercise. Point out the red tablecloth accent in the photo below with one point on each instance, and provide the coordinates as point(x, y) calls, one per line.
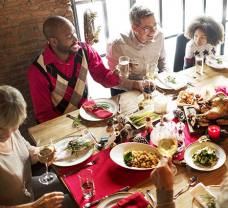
point(99, 112)
point(108, 177)
point(135, 200)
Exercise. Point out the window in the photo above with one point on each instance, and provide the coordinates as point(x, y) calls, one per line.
point(174, 16)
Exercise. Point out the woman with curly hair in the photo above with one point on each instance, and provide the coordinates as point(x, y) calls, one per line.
point(205, 34)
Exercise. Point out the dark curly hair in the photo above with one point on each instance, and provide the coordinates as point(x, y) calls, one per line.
point(212, 29)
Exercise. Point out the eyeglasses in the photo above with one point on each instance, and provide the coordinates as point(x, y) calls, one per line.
point(149, 29)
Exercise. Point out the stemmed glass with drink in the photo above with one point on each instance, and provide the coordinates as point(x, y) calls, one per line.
point(164, 133)
point(151, 74)
point(148, 88)
point(46, 156)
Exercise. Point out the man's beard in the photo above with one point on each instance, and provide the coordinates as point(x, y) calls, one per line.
point(68, 50)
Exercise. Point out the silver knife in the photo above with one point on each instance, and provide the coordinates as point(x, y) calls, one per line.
point(90, 204)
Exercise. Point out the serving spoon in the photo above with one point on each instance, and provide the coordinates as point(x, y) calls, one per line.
point(192, 181)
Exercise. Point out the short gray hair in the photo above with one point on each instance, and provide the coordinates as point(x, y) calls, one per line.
point(139, 12)
point(12, 107)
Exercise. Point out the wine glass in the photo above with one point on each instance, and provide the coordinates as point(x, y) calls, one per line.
point(165, 140)
point(151, 74)
point(148, 88)
point(46, 156)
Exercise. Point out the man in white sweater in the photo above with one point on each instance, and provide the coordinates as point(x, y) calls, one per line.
point(143, 44)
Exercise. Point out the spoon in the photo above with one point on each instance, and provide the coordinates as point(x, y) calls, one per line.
point(192, 181)
point(97, 144)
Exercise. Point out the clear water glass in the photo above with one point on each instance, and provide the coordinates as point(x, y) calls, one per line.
point(86, 182)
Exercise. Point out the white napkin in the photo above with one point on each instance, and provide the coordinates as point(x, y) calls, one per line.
point(179, 81)
point(202, 195)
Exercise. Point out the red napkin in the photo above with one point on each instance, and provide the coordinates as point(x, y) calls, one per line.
point(222, 89)
point(135, 200)
point(99, 112)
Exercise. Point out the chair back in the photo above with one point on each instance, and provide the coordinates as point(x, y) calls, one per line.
point(180, 52)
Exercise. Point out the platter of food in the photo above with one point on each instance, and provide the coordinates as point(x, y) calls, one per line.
point(135, 156)
point(205, 156)
point(207, 112)
point(217, 62)
point(138, 119)
point(73, 150)
point(185, 98)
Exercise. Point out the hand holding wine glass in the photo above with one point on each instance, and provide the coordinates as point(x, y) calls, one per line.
point(46, 156)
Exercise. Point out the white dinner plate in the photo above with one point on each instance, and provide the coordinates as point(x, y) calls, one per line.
point(164, 82)
point(217, 62)
point(117, 153)
point(192, 148)
point(113, 107)
point(64, 157)
point(113, 199)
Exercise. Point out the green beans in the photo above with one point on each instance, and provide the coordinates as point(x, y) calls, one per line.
point(140, 119)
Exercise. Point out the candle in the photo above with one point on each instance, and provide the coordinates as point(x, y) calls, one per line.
point(160, 104)
point(214, 132)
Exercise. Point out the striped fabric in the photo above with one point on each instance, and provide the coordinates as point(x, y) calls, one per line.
point(67, 92)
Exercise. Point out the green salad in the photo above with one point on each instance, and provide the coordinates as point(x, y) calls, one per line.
point(205, 157)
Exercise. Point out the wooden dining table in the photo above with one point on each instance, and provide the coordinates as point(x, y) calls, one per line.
point(61, 127)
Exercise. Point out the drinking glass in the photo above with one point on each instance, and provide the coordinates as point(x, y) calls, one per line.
point(165, 140)
point(199, 64)
point(86, 182)
point(151, 74)
point(123, 66)
point(46, 156)
point(148, 88)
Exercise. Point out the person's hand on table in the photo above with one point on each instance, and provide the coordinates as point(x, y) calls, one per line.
point(162, 176)
point(49, 200)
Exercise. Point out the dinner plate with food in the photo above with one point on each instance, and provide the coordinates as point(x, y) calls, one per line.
point(170, 81)
point(205, 156)
point(217, 62)
point(73, 150)
point(135, 156)
point(98, 109)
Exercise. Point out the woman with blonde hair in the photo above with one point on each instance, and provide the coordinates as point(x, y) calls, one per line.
point(205, 35)
point(16, 157)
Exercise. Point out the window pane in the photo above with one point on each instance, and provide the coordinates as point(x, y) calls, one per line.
point(118, 17)
point(193, 8)
point(99, 21)
point(172, 17)
point(152, 4)
point(214, 9)
point(170, 45)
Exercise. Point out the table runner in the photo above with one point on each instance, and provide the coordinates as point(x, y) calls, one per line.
point(108, 177)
